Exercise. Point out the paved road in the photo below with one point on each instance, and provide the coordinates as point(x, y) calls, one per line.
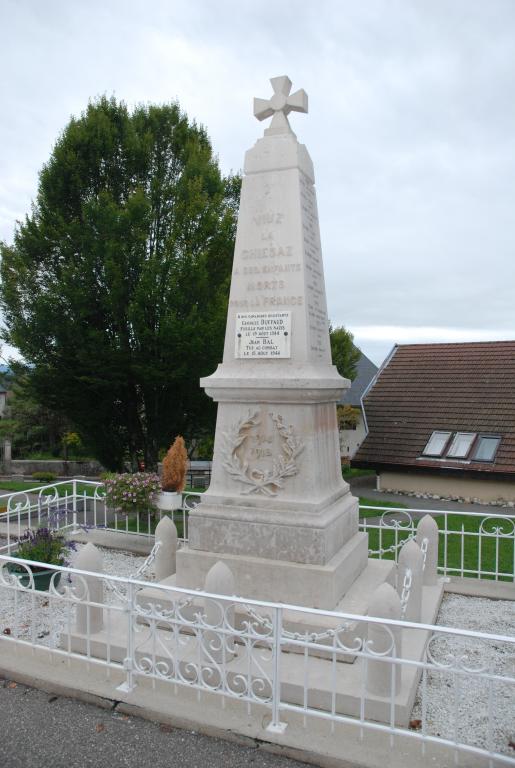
point(39, 730)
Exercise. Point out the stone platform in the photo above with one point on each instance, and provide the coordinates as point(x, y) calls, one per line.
point(340, 687)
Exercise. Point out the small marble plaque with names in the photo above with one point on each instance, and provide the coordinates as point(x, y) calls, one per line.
point(263, 334)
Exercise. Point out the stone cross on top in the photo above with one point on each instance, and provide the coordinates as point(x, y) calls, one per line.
point(280, 105)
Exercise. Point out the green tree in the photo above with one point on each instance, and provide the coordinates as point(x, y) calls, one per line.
point(30, 425)
point(115, 289)
point(344, 352)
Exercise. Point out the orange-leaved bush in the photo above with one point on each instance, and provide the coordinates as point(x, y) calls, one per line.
point(175, 466)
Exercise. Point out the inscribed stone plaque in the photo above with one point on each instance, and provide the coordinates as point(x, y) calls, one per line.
point(263, 334)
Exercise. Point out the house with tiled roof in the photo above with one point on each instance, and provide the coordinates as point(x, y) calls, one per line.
point(352, 430)
point(441, 420)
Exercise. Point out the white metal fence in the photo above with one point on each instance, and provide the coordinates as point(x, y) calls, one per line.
point(72, 505)
point(472, 544)
point(246, 650)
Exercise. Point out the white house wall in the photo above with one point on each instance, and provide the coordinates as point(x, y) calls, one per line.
point(351, 439)
point(486, 490)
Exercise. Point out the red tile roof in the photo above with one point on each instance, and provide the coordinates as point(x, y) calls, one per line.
point(466, 387)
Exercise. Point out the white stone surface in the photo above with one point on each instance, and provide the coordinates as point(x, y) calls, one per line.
point(277, 492)
point(411, 564)
point(427, 529)
point(90, 589)
point(165, 561)
point(219, 647)
point(385, 642)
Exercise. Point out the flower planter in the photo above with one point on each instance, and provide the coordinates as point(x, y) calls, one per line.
point(42, 576)
point(167, 501)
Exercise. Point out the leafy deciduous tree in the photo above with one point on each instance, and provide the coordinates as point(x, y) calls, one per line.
point(344, 353)
point(115, 288)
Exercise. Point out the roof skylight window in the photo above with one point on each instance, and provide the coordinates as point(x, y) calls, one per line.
point(486, 448)
point(461, 445)
point(437, 443)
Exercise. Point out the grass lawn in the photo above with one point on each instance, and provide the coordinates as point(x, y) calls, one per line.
point(363, 513)
point(469, 555)
point(26, 485)
point(132, 524)
point(355, 472)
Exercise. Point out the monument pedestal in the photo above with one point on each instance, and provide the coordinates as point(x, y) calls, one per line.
point(278, 512)
point(313, 586)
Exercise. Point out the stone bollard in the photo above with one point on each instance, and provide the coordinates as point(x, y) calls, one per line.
point(427, 530)
point(409, 580)
point(219, 613)
point(90, 619)
point(166, 533)
point(385, 604)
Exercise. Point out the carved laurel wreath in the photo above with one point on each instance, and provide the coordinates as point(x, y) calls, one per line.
point(284, 465)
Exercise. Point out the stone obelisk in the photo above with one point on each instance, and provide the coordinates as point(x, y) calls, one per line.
point(277, 512)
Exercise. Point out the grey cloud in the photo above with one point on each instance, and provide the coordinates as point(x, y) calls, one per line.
point(411, 127)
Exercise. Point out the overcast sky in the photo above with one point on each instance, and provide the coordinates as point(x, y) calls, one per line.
point(411, 128)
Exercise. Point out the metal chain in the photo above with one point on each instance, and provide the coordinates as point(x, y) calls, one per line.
point(113, 586)
point(393, 547)
point(406, 588)
point(313, 637)
point(423, 549)
point(148, 562)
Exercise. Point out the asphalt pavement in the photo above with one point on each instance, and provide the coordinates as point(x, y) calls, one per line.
point(39, 730)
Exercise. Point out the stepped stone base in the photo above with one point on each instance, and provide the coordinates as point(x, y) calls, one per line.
point(329, 686)
point(313, 586)
point(299, 532)
point(356, 601)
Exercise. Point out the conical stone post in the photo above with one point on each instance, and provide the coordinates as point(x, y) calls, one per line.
point(166, 534)
point(384, 640)
point(409, 580)
point(219, 613)
point(90, 589)
point(427, 530)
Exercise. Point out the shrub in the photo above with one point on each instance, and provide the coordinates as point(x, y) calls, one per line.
point(44, 477)
point(132, 492)
point(44, 546)
point(175, 466)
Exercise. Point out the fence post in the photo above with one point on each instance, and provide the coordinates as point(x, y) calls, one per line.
point(219, 644)
point(128, 663)
point(90, 618)
point(427, 529)
point(165, 564)
point(411, 562)
point(7, 457)
point(275, 725)
point(383, 643)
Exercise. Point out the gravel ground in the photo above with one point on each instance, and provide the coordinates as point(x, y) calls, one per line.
point(52, 615)
point(458, 704)
point(455, 704)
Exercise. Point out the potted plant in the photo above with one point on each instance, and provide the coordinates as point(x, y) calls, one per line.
point(175, 466)
point(132, 492)
point(43, 546)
